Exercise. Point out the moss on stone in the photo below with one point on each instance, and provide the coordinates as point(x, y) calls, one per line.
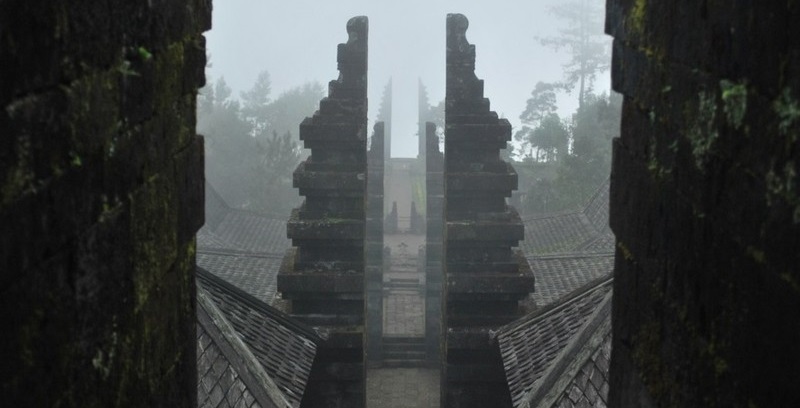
point(781, 186)
point(20, 178)
point(734, 99)
point(702, 132)
point(637, 16)
point(788, 111)
point(626, 253)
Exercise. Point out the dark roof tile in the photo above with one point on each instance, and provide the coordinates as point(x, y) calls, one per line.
point(558, 275)
point(580, 231)
point(255, 274)
point(284, 348)
point(531, 344)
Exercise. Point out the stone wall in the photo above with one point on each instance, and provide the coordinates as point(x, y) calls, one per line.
point(705, 204)
point(102, 192)
point(323, 275)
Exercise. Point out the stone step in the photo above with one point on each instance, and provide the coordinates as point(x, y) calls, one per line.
point(390, 363)
point(403, 340)
point(405, 283)
point(403, 355)
point(404, 347)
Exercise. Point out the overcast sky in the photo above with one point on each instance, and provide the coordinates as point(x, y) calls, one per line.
point(296, 40)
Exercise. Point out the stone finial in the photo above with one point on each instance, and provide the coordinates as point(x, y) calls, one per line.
point(357, 30)
point(457, 25)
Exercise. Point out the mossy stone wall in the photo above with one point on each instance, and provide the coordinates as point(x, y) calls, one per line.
point(705, 203)
point(101, 193)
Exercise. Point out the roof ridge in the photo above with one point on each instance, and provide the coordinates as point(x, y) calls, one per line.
point(599, 190)
point(570, 255)
point(252, 366)
point(217, 195)
point(590, 336)
point(260, 305)
point(530, 318)
point(240, 252)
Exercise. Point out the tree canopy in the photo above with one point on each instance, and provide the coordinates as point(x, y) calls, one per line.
point(584, 39)
point(252, 147)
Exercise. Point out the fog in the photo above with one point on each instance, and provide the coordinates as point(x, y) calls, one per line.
point(296, 42)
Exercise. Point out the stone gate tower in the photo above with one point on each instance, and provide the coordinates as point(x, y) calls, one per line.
point(484, 278)
point(322, 276)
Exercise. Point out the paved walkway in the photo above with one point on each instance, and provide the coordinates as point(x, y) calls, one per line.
point(404, 316)
point(403, 388)
point(403, 305)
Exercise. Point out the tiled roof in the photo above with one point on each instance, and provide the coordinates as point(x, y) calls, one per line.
point(241, 247)
point(531, 344)
point(580, 231)
point(579, 375)
point(589, 387)
point(216, 207)
point(558, 275)
point(241, 230)
point(220, 383)
point(253, 273)
point(246, 231)
point(596, 209)
point(283, 349)
point(206, 238)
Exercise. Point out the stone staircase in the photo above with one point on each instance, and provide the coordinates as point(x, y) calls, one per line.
point(404, 352)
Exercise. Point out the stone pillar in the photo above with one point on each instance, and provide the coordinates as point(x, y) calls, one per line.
point(322, 277)
point(374, 245)
point(434, 192)
point(484, 278)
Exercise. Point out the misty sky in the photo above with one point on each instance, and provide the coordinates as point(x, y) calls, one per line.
point(296, 40)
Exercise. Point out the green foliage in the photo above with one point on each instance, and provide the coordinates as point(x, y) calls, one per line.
point(579, 172)
point(541, 104)
point(550, 138)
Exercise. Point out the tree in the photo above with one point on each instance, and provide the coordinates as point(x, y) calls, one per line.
point(551, 138)
point(585, 41)
point(286, 112)
point(246, 159)
point(230, 162)
point(589, 163)
point(255, 103)
point(541, 104)
point(280, 155)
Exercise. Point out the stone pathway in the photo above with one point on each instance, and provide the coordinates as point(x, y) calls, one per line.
point(403, 388)
point(404, 316)
point(403, 305)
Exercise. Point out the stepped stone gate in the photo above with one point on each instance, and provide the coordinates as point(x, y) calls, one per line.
point(333, 277)
point(374, 245)
point(103, 188)
point(322, 277)
point(484, 279)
